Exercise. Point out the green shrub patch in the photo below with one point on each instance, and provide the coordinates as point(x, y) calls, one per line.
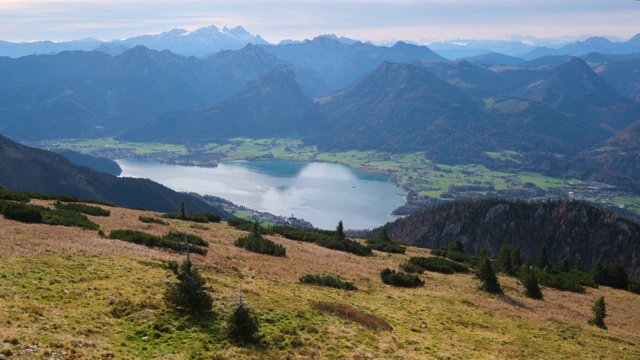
point(198, 217)
point(260, 245)
point(391, 277)
point(437, 264)
point(82, 208)
point(327, 280)
point(152, 220)
point(192, 239)
point(387, 246)
point(39, 214)
point(146, 239)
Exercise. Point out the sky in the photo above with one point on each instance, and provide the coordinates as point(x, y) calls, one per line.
point(374, 20)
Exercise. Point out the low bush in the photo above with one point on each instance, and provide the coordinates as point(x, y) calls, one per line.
point(21, 212)
point(452, 255)
point(327, 280)
point(39, 214)
point(391, 277)
point(573, 281)
point(411, 268)
point(246, 225)
point(6, 194)
point(387, 246)
point(146, 239)
point(347, 312)
point(345, 245)
point(179, 236)
point(324, 238)
point(199, 217)
point(152, 220)
point(306, 235)
point(67, 218)
point(98, 202)
point(260, 245)
point(82, 208)
point(437, 264)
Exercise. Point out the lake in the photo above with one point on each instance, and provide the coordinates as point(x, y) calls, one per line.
point(320, 193)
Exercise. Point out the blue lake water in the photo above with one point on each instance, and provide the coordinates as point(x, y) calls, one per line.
point(321, 193)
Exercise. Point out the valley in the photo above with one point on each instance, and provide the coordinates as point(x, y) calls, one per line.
point(426, 182)
point(490, 202)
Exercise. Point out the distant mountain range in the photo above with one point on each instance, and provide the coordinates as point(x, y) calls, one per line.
point(200, 42)
point(336, 95)
point(454, 111)
point(208, 40)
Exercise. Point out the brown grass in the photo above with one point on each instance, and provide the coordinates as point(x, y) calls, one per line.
point(446, 318)
point(347, 312)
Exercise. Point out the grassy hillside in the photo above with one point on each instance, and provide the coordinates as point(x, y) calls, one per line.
point(68, 293)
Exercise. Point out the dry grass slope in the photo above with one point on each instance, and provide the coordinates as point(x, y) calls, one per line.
point(68, 293)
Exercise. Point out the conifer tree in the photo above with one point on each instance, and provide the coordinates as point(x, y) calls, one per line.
point(243, 326)
point(516, 258)
point(599, 313)
point(340, 231)
point(505, 259)
point(385, 235)
point(255, 230)
point(189, 293)
point(457, 246)
point(563, 265)
point(579, 265)
point(543, 258)
point(488, 277)
point(619, 277)
point(183, 214)
point(600, 274)
point(531, 286)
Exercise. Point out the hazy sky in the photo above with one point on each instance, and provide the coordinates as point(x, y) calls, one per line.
point(377, 20)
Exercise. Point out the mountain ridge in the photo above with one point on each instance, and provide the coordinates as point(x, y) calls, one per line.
point(567, 227)
point(30, 169)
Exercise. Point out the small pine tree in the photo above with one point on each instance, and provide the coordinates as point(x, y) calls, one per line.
point(488, 277)
point(579, 265)
point(457, 246)
point(243, 325)
point(543, 258)
point(385, 235)
point(531, 286)
point(255, 230)
point(600, 274)
point(189, 293)
point(506, 264)
point(619, 277)
point(563, 265)
point(340, 231)
point(599, 312)
point(516, 259)
point(183, 214)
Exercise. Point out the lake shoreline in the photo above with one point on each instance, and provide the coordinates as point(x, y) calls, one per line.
point(319, 192)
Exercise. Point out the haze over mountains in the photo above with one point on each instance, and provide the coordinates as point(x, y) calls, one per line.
point(330, 92)
point(338, 95)
point(207, 40)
